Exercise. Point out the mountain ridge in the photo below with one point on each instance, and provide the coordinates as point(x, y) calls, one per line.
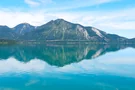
point(59, 30)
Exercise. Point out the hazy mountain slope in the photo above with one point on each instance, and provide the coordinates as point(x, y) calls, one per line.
point(7, 33)
point(23, 28)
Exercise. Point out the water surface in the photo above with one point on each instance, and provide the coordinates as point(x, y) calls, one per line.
point(67, 67)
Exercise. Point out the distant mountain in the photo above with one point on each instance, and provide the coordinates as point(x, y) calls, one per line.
point(132, 40)
point(65, 31)
point(23, 28)
point(59, 30)
point(7, 33)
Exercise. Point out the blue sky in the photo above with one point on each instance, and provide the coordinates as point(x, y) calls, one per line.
point(112, 16)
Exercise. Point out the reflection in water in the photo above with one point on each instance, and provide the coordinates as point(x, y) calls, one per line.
point(67, 67)
point(115, 65)
point(57, 55)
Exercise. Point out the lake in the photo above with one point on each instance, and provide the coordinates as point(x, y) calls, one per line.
point(67, 67)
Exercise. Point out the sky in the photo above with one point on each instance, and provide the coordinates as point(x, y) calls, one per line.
point(111, 16)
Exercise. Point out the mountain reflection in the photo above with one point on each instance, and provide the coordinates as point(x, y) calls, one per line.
point(59, 55)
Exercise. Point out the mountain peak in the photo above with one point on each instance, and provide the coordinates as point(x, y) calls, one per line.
point(57, 22)
point(24, 24)
point(61, 21)
point(23, 28)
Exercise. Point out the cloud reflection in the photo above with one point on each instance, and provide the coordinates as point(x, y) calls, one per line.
point(115, 66)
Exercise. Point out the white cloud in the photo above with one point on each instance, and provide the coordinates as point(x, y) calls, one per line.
point(34, 3)
point(119, 25)
point(13, 18)
point(65, 4)
point(117, 20)
point(99, 19)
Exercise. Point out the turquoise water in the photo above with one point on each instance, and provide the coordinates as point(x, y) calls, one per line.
point(64, 67)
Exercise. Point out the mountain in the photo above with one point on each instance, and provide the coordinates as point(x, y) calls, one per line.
point(60, 30)
point(23, 28)
point(7, 33)
point(132, 41)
